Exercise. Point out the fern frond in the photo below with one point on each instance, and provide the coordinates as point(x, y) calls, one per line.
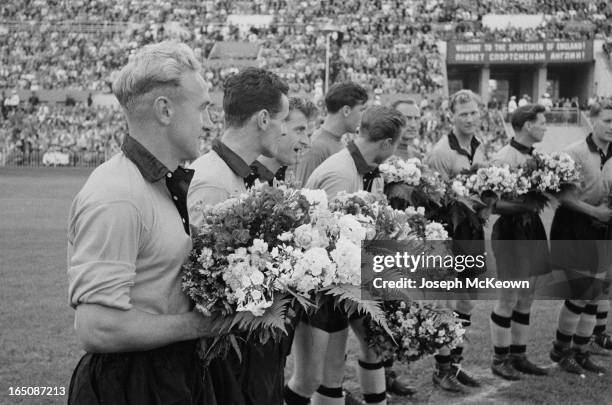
point(348, 297)
point(272, 322)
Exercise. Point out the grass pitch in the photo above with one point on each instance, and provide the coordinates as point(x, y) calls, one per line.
point(38, 346)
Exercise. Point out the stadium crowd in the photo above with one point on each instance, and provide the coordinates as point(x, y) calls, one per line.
point(388, 45)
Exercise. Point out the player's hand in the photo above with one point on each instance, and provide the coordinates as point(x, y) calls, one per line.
point(602, 213)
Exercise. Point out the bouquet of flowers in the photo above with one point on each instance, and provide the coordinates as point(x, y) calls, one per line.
point(256, 256)
point(500, 181)
point(551, 172)
point(417, 329)
point(409, 182)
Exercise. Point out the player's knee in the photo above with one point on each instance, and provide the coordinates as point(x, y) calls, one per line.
point(523, 305)
point(505, 307)
point(465, 306)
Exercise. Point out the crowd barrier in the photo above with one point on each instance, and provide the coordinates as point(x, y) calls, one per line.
point(51, 158)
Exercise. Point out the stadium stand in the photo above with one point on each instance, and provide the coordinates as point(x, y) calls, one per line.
point(68, 49)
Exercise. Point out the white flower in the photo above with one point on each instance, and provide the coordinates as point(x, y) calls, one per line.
point(347, 257)
point(435, 231)
point(206, 258)
point(306, 284)
point(405, 171)
point(259, 246)
point(351, 229)
point(306, 237)
point(317, 198)
point(411, 211)
point(256, 308)
point(313, 262)
point(285, 237)
point(459, 189)
point(256, 295)
point(257, 277)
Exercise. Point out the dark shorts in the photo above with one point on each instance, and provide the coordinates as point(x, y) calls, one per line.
point(255, 378)
point(328, 318)
point(581, 251)
point(520, 245)
point(574, 241)
point(168, 375)
point(468, 240)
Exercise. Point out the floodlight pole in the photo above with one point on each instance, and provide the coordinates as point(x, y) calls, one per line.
point(328, 29)
point(327, 35)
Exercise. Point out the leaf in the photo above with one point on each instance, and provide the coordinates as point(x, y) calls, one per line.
point(236, 347)
point(272, 320)
point(211, 350)
point(303, 301)
point(349, 297)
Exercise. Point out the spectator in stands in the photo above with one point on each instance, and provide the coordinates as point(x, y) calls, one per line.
point(70, 101)
point(493, 104)
point(33, 100)
point(3, 108)
point(546, 102)
point(13, 101)
point(512, 106)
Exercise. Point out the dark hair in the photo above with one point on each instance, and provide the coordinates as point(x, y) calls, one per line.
point(528, 112)
point(342, 94)
point(599, 106)
point(250, 91)
point(379, 122)
point(306, 107)
point(310, 110)
point(462, 97)
point(401, 101)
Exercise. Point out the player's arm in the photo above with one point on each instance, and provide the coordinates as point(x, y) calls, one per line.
point(106, 330)
point(502, 207)
point(601, 212)
point(104, 245)
point(200, 195)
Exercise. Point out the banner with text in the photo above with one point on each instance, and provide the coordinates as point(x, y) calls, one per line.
point(470, 53)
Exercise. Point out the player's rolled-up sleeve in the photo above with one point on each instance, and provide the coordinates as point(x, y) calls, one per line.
point(199, 196)
point(103, 244)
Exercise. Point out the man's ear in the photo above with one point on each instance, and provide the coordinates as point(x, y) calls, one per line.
point(163, 110)
point(346, 110)
point(386, 144)
point(528, 125)
point(263, 120)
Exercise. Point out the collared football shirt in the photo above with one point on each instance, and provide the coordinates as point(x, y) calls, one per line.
point(449, 159)
point(126, 235)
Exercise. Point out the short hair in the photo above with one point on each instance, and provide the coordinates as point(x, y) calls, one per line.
point(401, 101)
point(462, 97)
point(155, 66)
point(341, 94)
point(249, 91)
point(303, 106)
point(599, 106)
point(380, 122)
point(528, 112)
point(309, 109)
